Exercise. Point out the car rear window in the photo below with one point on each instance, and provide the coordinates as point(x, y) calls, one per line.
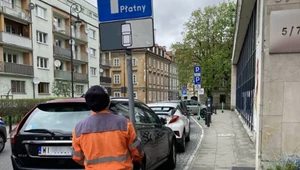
point(57, 116)
point(163, 110)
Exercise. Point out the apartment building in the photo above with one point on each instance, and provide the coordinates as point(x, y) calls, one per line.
point(105, 73)
point(151, 76)
point(36, 43)
point(16, 61)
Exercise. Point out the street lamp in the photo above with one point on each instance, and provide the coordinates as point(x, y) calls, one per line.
point(76, 8)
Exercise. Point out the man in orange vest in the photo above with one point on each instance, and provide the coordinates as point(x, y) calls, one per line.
point(105, 140)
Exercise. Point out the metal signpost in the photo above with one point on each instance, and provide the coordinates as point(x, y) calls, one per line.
point(126, 25)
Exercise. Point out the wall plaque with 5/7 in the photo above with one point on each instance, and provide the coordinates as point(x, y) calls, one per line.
point(284, 31)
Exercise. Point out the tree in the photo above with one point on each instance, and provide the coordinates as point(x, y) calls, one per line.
point(207, 41)
point(61, 88)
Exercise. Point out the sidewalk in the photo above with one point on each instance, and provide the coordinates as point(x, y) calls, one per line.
point(225, 146)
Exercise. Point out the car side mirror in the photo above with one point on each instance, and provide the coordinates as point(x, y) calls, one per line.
point(163, 121)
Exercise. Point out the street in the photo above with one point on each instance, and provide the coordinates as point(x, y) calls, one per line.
point(183, 159)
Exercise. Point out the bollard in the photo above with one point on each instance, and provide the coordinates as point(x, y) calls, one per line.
point(222, 107)
point(199, 114)
point(10, 122)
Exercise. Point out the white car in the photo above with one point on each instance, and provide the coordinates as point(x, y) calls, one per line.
point(177, 121)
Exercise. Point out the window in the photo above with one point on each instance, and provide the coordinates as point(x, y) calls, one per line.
point(150, 78)
point(149, 61)
point(17, 86)
point(133, 61)
point(8, 3)
point(117, 94)
point(134, 79)
point(161, 96)
point(43, 87)
point(92, 33)
point(10, 58)
point(79, 89)
point(150, 95)
point(93, 52)
point(162, 80)
point(117, 79)
point(135, 95)
point(40, 12)
point(58, 43)
point(42, 62)
point(57, 22)
point(116, 62)
point(93, 71)
point(150, 114)
point(41, 37)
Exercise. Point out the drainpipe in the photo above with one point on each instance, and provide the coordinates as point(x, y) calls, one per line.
point(169, 75)
point(146, 69)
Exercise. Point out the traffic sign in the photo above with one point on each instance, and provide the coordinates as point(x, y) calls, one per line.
point(201, 91)
point(197, 69)
point(184, 88)
point(115, 10)
point(197, 87)
point(184, 92)
point(197, 80)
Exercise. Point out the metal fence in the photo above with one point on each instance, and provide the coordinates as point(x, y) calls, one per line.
point(246, 74)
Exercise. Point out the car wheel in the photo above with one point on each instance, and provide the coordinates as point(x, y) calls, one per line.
point(182, 146)
point(172, 158)
point(187, 139)
point(2, 143)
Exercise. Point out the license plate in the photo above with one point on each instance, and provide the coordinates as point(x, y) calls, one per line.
point(55, 151)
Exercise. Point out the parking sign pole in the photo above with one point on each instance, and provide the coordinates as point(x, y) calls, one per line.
point(130, 86)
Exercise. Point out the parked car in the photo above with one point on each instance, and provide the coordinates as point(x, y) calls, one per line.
point(175, 119)
point(3, 135)
point(194, 106)
point(185, 110)
point(49, 125)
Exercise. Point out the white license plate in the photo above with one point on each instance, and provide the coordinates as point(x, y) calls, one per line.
point(55, 151)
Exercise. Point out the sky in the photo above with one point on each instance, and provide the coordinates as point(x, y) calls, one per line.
point(170, 16)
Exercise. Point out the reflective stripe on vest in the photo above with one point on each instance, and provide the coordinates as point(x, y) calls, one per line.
point(135, 144)
point(78, 154)
point(107, 159)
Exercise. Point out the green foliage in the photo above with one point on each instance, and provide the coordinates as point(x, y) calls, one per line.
point(61, 88)
point(286, 166)
point(18, 107)
point(208, 42)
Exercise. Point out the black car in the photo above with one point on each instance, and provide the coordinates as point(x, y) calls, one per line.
point(48, 127)
point(3, 135)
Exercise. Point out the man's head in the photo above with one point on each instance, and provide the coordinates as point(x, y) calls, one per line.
point(97, 98)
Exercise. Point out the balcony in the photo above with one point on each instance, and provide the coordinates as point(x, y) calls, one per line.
point(81, 56)
point(14, 11)
point(105, 62)
point(13, 68)
point(64, 31)
point(15, 40)
point(63, 52)
point(80, 77)
point(65, 75)
point(105, 80)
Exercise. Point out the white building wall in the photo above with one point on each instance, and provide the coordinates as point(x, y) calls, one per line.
point(5, 86)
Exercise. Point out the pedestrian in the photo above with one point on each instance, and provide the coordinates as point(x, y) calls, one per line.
point(104, 140)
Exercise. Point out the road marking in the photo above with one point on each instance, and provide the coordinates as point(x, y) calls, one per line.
point(197, 148)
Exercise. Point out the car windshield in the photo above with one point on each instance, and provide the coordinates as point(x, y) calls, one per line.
point(191, 102)
point(163, 110)
point(57, 116)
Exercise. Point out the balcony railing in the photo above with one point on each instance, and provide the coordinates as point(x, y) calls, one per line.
point(18, 69)
point(66, 30)
point(17, 40)
point(65, 75)
point(82, 56)
point(14, 11)
point(105, 80)
point(80, 77)
point(59, 51)
point(105, 62)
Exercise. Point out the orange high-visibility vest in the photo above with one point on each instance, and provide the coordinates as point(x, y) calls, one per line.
point(106, 141)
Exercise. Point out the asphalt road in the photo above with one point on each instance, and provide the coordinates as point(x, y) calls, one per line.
point(183, 159)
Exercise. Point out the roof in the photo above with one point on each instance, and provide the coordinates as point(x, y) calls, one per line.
point(82, 99)
point(163, 104)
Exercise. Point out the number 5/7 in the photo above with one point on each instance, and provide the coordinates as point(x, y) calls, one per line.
point(284, 30)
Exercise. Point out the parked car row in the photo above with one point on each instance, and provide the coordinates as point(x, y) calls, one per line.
point(42, 140)
point(3, 135)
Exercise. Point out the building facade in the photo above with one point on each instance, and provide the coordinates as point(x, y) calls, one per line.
point(265, 79)
point(151, 77)
point(40, 47)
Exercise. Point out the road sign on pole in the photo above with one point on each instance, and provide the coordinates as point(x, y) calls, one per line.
point(125, 24)
point(197, 75)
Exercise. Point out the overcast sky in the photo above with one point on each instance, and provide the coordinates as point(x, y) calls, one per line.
point(170, 15)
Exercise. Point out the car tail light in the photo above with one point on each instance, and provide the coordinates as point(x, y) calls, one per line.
point(177, 133)
point(174, 119)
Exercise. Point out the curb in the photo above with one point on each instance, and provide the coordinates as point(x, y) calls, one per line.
point(249, 132)
point(191, 160)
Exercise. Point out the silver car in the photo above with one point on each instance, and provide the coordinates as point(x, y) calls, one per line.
point(194, 106)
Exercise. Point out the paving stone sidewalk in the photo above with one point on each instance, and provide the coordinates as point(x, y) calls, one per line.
point(225, 146)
